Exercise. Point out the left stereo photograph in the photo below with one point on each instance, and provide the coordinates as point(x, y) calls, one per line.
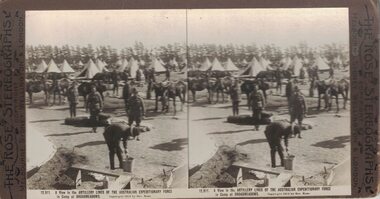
point(105, 99)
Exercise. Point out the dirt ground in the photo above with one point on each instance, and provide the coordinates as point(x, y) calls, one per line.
point(162, 148)
point(323, 146)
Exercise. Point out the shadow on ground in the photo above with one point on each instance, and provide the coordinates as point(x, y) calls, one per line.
point(69, 134)
point(174, 145)
point(254, 141)
point(230, 132)
point(93, 143)
point(337, 142)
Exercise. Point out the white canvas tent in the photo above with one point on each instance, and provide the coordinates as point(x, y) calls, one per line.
point(297, 66)
point(41, 67)
point(244, 62)
point(322, 64)
point(133, 66)
point(287, 62)
point(66, 68)
point(123, 65)
point(80, 63)
point(101, 65)
point(230, 66)
point(119, 62)
point(142, 62)
point(52, 67)
point(216, 66)
point(158, 67)
point(89, 70)
point(253, 68)
point(173, 62)
point(205, 65)
point(265, 64)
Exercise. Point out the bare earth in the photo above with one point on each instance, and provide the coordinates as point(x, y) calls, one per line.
point(325, 145)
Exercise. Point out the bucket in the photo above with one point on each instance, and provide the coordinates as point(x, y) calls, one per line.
point(128, 164)
point(288, 162)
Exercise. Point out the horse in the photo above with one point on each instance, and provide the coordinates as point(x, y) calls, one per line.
point(248, 85)
point(85, 88)
point(330, 89)
point(199, 84)
point(36, 86)
point(169, 90)
point(221, 86)
point(273, 75)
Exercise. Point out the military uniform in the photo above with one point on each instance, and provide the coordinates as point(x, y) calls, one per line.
point(235, 98)
point(257, 103)
point(115, 83)
point(298, 108)
point(73, 98)
point(126, 94)
point(113, 134)
point(274, 132)
point(136, 109)
point(95, 105)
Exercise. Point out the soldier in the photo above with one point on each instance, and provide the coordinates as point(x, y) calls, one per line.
point(235, 97)
point(73, 98)
point(278, 80)
point(257, 103)
point(115, 82)
point(113, 134)
point(289, 90)
point(274, 132)
point(126, 94)
point(138, 75)
point(298, 107)
point(167, 73)
point(95, 105)
point(136, 110)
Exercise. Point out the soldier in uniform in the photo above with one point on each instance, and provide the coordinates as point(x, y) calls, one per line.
point(113, 134)
point(257, 103)
point(298, 108)
point(274, 132)
point(115, 83)
point(73, 98)
point(126, 94)
point(136, 110)
point(235, 97)
point(95, 105)
point(289, 90)
point(138, 75)
point(278, 80)
point(167, 74)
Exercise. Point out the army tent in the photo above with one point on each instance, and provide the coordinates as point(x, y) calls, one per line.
point(244, 63)
point(322, 64)
point(101, 65)
point(253, 68)
point(158, 67)
point(52, 67)
point(80, 63)
point(265, 64)
point(142, 62)
point(230, 66)
point(216, 66)
point(287, 62)
point(89, 71)
point(119, 62)
point(205, 65)
point(338, 61)
point(173, 62)
point(66, 68)
point(297, 66)
point(123, 66)
point(133, 66)
point(41, 67)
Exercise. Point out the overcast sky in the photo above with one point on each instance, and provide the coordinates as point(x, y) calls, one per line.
point(121, 28)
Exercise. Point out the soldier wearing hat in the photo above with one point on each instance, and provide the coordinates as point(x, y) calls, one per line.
point(95, 105)
point(298, 107)
point(257, 103)
point(113, 134)
point(274, 133)
point(73, 98)
point(235, 97)
point(135, 110)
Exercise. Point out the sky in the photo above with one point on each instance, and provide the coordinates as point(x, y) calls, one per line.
point(121, 28)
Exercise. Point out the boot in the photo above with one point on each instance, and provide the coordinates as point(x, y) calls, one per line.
point(281, 157)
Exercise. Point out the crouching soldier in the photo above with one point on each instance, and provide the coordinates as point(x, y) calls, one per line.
point(115, 133)
point(274, 134)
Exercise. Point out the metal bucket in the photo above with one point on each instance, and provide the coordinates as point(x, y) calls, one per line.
point(128, 164)
point(288, 162)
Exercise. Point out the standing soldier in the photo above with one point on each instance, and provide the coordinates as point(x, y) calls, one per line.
point(235, 97)
point(278, 80)
point(257, 103)
point(73, 98)
point(113, 134)
point(126, 95)
point(274, 132)
point(115, 83)
point(331, 72)
point(298, 108)
point(289, 89)
point(95, 105)
point(136, 110)
point(138, 75)
point(167, 73)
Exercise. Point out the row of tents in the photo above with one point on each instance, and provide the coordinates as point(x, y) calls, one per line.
point(255, 66)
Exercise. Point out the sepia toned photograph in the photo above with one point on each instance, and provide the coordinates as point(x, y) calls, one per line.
point(269, 98)
point(105, 99)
